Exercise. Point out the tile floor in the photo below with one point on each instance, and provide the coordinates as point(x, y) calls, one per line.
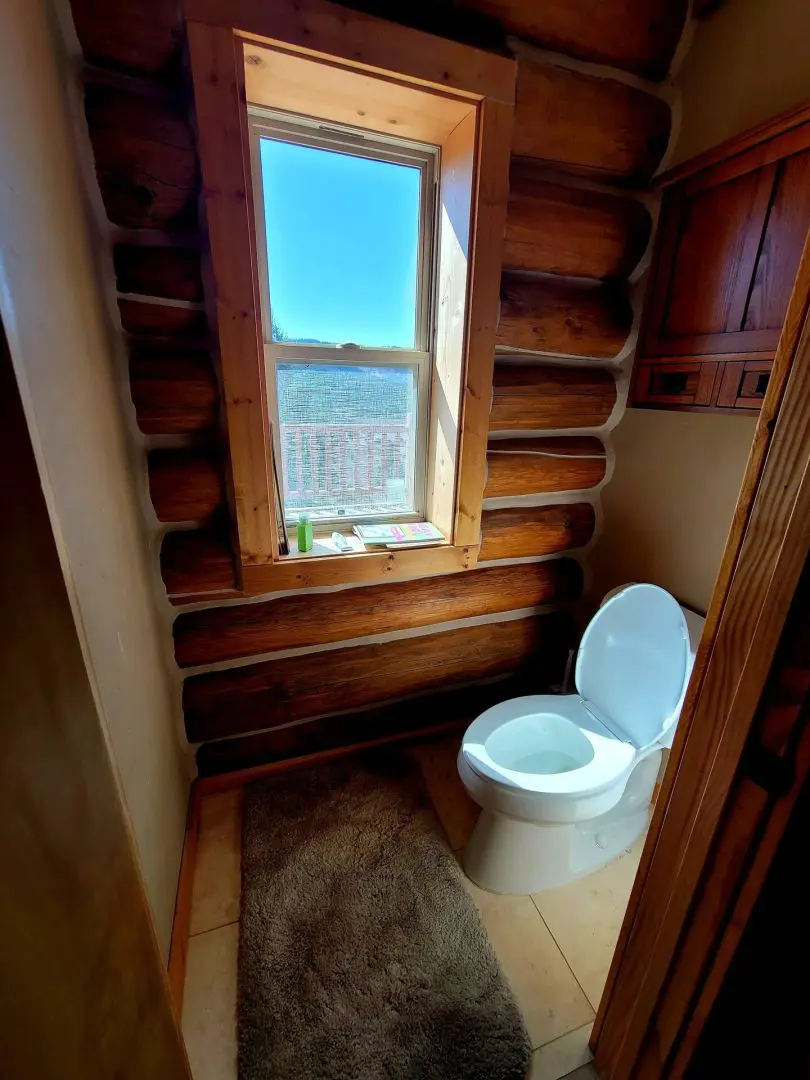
point(554, 947)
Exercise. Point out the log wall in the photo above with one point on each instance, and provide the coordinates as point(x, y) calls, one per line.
point(575, 233)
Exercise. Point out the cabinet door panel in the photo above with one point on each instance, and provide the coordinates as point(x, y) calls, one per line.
point(785, 232)
point(720, 231)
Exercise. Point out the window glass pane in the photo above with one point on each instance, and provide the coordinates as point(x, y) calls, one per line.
point(342, 246)
point(347, 437)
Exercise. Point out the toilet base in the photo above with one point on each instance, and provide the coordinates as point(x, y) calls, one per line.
point(505, 855)
point(510, 855)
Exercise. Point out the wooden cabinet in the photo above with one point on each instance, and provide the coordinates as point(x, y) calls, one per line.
point(733, 225)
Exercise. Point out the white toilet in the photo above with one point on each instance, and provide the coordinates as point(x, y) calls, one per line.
point(565, 781)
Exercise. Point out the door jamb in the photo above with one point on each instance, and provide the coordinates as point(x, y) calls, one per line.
point(759, 572)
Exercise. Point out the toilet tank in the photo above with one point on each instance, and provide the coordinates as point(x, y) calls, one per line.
point(694, 627)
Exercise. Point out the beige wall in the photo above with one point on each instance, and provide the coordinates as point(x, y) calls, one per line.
point(668, 507)
point(748, 61)
point(59, 336)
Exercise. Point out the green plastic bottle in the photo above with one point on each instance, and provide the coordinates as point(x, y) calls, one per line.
point(304, 533)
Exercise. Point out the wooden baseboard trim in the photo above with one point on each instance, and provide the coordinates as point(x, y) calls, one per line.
point(209, 785)
point(178, 949)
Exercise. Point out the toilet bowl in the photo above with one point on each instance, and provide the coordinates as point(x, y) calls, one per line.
point(564, 782)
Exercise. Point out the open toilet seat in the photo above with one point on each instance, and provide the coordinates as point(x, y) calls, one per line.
point(546, 744)
point(566, 758)
point(561, 734)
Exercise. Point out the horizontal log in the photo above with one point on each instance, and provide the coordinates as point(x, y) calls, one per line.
point(175, 392)
point(587, 125)
point(639, 36)
point(170, 272)
point(134, 35)
point(563, 230)
point(146, 159)
point(197, 563)
point(162, 321)
point(541, 397)
point(276, 692)
point(207, 637)
point(186, 485)
point(534, 466)
point(523, 532)
point(564, 317)
point(450, 710)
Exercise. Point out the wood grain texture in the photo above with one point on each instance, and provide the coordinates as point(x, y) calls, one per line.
point(710, 276)
point(634, 35)
point(781, 726)
point(197, 563)
point(541, 397)
point(146, 161)
point(318, 740)
point(142, 36)
point(364, 568)
point(726, 257)
point(344, 96)
point(369, 43)
point(186, 485)
point(781, 841)
point(275, 692)
point(563, 230)
point(534, 466)
point(785, 232)
point(174, 391)
point(145, 320)
point(761, 566)
point(563, 317)
point(173, 273)
point(593, 126)
point(289, 622)
point(522, 532)
point(333, 736)
point(217, 67)
point(490, 200)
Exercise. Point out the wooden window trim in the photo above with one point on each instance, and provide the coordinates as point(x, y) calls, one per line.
point(478, 89)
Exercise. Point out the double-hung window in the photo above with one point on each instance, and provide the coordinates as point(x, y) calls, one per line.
point(355, 178)
point(346, 242)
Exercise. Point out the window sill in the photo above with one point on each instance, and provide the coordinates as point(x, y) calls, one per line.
point(362, 567)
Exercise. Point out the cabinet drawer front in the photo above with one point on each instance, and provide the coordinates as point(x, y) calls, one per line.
point(743, 384)
point(686, 384)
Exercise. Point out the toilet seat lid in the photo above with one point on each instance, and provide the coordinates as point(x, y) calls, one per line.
point(632, 665)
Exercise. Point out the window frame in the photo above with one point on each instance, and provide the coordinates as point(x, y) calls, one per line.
point(320, 134)
point(419, 85)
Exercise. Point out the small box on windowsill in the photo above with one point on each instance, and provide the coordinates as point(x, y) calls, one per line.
point(420, 533)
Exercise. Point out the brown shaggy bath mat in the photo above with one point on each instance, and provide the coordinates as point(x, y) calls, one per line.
point(361, 954)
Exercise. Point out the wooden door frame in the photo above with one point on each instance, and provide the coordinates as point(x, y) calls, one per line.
point(760, 570)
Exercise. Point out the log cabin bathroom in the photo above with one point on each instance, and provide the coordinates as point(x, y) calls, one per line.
point(405, 428)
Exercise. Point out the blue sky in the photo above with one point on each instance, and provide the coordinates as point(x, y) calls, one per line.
point(342, 239)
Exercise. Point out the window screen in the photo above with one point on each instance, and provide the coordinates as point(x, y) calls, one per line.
point(347, 435)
